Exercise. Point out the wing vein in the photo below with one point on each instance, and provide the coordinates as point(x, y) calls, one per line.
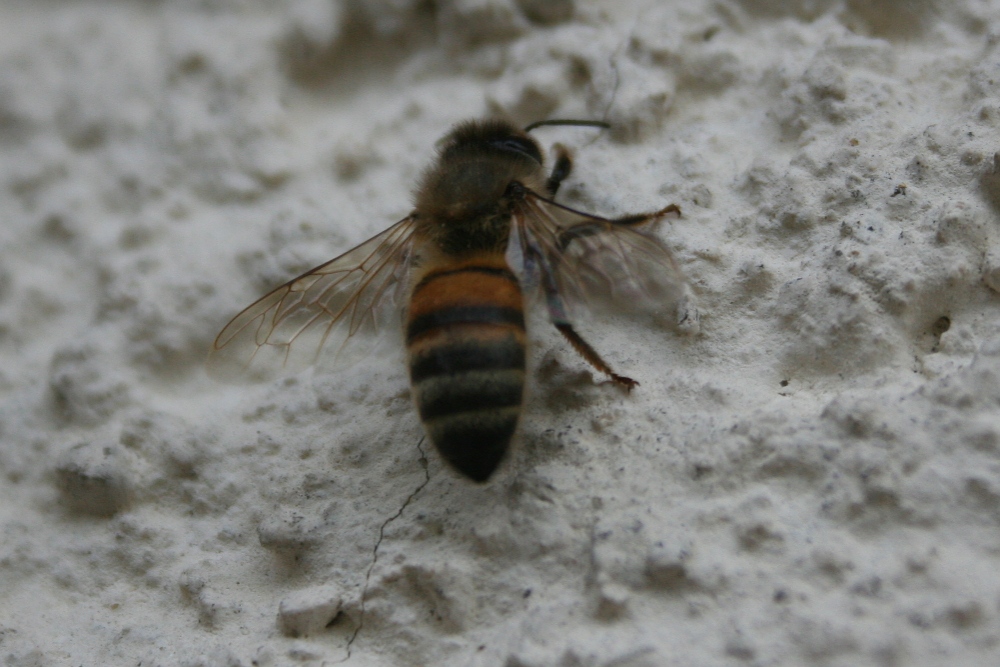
point(293, 324)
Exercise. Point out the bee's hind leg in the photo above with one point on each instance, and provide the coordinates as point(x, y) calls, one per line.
point(558, 315)
point(590, 354)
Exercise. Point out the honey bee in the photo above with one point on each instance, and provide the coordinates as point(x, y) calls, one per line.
point(484, 228)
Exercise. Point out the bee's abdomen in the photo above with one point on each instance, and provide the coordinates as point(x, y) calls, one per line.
point(466, 340)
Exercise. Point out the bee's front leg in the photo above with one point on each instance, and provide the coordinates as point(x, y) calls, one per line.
point(560, 170)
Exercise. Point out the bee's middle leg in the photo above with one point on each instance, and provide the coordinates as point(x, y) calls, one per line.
point(594, 359)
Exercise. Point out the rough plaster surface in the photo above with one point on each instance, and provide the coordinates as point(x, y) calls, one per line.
point(810, 478)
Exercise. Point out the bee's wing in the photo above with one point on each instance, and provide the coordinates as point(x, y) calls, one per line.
point(285, 330)
point(585, 260)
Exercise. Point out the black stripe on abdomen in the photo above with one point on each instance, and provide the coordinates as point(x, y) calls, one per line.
point(467, 355)
point(446, 317)
point(469, 393)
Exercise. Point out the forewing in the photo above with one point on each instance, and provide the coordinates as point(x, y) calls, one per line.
point(586, 260)
point(286, 330)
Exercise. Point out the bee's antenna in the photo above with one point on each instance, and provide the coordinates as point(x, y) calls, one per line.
point(578, 123)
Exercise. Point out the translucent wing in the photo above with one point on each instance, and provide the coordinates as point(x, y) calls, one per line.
point(285, 330)
point(582, 259)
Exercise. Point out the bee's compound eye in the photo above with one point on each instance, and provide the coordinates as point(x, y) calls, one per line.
point(513, 144)
point(519, 145)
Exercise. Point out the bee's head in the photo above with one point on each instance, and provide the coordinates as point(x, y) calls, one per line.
point(477, 162)
point(495, 138)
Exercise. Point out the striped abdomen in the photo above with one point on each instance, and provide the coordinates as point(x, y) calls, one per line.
point(466, 341)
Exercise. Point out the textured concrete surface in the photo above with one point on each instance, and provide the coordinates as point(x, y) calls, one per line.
point(810, 477)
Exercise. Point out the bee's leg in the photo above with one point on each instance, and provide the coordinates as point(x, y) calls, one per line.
point(560, 319)
point(636, 219)
point(590, 354)
point(599, 225)
point(560, 170)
